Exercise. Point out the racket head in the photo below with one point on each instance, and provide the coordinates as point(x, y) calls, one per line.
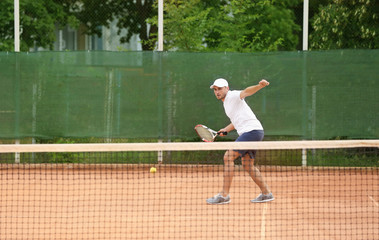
point(206, 134)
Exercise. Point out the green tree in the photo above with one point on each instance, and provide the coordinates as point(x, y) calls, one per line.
point(312, 10)
point(346, 24)
point(132, 16)
point(129, 15)
point(92, 14)
point(38, 19)
point(236, 25)
point(248, 26)
point(185, 25)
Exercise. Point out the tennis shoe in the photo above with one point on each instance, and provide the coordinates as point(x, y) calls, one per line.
point(219, 199)
point(263, 198)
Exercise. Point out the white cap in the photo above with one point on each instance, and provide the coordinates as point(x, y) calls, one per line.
point(220, 82)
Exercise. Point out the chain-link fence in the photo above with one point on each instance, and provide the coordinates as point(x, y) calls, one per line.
point(192, 25)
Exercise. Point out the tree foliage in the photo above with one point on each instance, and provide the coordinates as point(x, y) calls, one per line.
point(236, 25)
point(38, 19)
point(129, 15)
point(92, 14)
point(199, 25)
point(133, 15)
point(346, 24)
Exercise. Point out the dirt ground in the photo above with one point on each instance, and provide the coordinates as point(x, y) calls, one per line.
point(129, 202)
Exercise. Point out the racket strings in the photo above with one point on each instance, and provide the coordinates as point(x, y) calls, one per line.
point(205, 134)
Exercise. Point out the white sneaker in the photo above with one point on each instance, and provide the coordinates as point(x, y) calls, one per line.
point(263, 198)
point(219, 199)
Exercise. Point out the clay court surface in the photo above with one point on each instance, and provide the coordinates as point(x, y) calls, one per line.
point(123, 202)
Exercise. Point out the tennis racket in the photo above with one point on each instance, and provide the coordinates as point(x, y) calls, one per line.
point(206, 134)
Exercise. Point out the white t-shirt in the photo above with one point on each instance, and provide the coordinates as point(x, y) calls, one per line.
point(240, 114)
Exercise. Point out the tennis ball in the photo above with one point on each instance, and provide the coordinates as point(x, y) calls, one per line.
point(153, 170)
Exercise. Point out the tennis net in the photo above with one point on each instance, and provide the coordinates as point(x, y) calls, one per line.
point(322, 190)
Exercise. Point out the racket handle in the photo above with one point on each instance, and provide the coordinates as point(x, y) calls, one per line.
point(223, 133)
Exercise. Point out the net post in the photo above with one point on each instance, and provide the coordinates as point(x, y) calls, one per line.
point(17, 154)
point(305, 24)
point(304, 157)
point(160, 49)
point(17, 49)
point(160, 153)
point(160, 25)
point(305, 48)
point(16, 25)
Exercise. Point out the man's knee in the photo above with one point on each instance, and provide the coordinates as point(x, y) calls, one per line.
point(230, 156)
point(247, 162)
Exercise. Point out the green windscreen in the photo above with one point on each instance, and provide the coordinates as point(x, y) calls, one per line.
point(312, 95)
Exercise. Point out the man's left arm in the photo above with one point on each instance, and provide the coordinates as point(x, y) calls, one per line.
point(253, 89)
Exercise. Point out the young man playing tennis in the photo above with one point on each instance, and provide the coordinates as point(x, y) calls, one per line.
point(249, 128)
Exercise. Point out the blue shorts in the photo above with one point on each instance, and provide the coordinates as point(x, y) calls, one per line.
point(254, 136)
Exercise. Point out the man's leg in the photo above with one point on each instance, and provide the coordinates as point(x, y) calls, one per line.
point(229, 158)
point(223, 197)
point(255, 174)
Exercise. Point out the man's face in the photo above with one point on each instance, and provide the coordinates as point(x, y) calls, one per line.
point(220, 92)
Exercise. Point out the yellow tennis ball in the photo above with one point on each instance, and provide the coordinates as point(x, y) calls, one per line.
point(153, 170)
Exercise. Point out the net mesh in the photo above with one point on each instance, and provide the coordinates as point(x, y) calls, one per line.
point(99, 191)
point(315, 95)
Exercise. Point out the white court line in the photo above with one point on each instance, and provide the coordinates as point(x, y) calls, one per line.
point(373, 200)
point(263, 224)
